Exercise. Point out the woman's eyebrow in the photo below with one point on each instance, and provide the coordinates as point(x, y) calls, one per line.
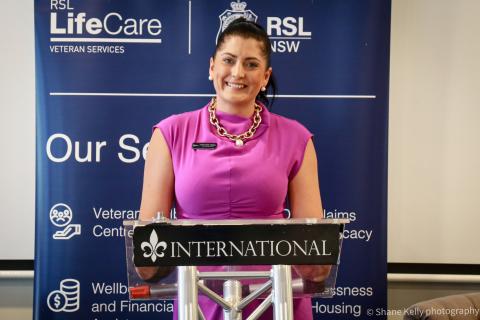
point(234, 56)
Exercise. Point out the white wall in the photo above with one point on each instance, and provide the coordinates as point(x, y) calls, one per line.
point(434, 142)
point(17, 130)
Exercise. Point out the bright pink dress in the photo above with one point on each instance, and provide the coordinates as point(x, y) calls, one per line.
point(230, 182)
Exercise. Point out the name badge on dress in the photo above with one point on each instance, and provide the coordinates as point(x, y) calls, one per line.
point(204, 146)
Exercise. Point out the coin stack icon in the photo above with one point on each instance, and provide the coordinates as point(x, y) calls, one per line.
point(71, 289)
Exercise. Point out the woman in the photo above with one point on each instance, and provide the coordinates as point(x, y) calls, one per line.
point(254, 160)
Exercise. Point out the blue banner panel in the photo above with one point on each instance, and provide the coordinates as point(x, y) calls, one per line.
point(106, 71)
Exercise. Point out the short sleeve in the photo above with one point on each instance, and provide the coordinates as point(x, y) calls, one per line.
point(301, 136)
point(168, 128)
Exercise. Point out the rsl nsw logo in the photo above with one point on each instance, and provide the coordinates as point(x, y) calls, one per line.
point(286, 33)
point(75, 30)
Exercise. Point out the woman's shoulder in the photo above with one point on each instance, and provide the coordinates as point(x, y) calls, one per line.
point(179, 119)
point(175, 127)
point(287, 125)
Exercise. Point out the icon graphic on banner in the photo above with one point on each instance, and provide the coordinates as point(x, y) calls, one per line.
point(67, 299)
point(153, 249)
point(238, 11)
point(61, 215)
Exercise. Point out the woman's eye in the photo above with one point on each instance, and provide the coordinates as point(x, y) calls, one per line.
point(252, 65)
point(228, 60)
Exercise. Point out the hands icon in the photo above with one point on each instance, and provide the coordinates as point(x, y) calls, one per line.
point(67, 233)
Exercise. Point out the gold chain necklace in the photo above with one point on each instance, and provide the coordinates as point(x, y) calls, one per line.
point(237, 138)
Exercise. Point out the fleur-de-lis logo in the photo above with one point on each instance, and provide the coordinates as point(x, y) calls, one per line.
point(153, 249)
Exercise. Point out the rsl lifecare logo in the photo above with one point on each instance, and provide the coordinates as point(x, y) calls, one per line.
point(238, 10)
point(91, 30)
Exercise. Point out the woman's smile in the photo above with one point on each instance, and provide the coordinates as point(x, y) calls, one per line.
point(235, 85)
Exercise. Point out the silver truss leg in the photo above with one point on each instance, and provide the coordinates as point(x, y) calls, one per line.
point(187, 293)
point(232, 292)
point(282, 292)
point(200, 314)
point(261, 308)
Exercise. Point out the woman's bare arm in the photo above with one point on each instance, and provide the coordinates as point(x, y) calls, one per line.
point(305, 202)
point(157, 193)
point(158, 179)
point(304, 190)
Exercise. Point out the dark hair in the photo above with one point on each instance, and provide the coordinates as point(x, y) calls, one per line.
point(248, 29)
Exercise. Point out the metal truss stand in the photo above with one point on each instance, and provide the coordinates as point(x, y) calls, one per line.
point(278, 280)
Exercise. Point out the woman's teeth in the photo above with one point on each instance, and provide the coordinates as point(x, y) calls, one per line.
point(235, 85)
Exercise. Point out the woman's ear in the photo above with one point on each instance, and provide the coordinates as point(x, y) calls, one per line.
point(210, 69)
point(268, 73)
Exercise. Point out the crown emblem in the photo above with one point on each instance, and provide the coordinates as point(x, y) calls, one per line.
point(238, 6)
point(238, 10)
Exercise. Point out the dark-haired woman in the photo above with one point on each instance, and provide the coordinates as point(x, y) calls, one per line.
point(259, 157)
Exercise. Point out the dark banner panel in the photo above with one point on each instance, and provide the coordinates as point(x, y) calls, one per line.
point(107, 71)
point(163, 244)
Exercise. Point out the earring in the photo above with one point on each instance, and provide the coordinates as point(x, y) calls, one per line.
point(263, 89)
point(210, 77)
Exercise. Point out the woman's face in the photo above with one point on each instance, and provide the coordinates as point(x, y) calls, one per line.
point(239, 70)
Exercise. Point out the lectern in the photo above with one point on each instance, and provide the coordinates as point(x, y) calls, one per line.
point(234, 262)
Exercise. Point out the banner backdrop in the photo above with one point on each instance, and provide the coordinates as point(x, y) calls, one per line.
point(106, 71)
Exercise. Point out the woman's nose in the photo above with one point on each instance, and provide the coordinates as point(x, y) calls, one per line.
point(237, 71)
